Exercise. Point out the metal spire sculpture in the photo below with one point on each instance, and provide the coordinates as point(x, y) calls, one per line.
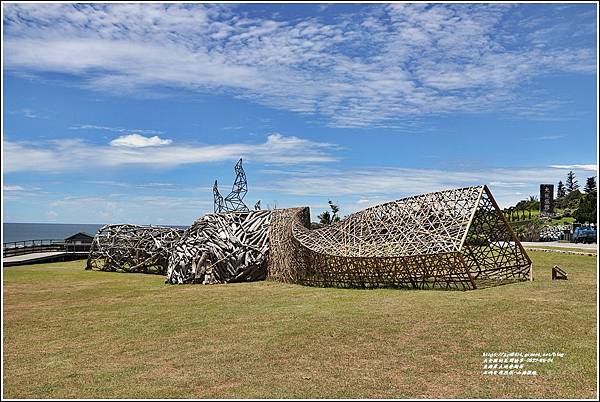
point(235, 200)
point(218, 199)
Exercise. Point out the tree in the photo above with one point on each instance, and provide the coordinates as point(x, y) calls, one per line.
point(334, 209)
point(587, 209)
point(570, 201)
point(327, 218)
point(533, 203)
point(590, 185)
point(526, 205)
point(571, 182)
point(560, 191)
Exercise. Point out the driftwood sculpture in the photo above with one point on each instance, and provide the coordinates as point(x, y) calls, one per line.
point(222, 248)
point(132, 248)
point(449, 239)
point(456, 238)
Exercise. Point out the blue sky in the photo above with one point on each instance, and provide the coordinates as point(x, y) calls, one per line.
point(129, 112)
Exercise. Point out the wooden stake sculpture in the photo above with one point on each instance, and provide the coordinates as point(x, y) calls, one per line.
point(449, 239)
point(222, 248)
point(132, 248)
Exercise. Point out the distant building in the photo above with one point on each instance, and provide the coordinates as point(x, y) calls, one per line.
point(79, 242)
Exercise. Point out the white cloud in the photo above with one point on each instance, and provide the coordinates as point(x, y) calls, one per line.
point(139, 141)
point(30, 114)
point(114, 129)
point(151, 185)
point(8, 187)
point(138, 209)
point(590, 167)
point(382, 67)
point(64, 154)
point(388, 183)
point(52, 215)
point(550, 137)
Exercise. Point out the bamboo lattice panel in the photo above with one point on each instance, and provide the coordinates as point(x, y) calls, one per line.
point(447, 239)
point(284, 263)
point(491, 250)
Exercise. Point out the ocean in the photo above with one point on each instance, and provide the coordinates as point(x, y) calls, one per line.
point(38, 231)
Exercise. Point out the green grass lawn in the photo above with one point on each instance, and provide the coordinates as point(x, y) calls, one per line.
point(554, 222)
point(74, 333)
point(562, 221)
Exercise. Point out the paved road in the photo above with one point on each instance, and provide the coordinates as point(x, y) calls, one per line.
point(31, 256)
point(542, 244)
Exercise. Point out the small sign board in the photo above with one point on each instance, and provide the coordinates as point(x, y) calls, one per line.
point(547, 198)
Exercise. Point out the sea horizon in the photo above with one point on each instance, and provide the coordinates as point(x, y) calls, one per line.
point(21, 231)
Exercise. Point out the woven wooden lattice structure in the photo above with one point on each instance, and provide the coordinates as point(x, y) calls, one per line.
point(222, 248)
point(132, 248)
point(285, 261)
point(449, 239)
